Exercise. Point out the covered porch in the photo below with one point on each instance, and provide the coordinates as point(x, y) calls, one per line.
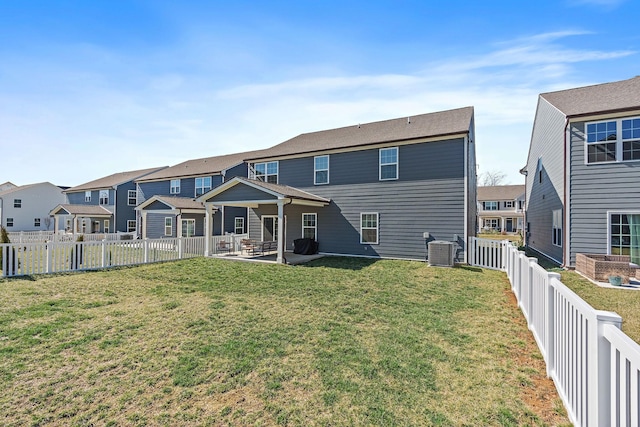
point(169, 216)
point(255, 195)
point(100, 218)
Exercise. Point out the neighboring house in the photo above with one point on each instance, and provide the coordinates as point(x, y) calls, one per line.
point(369, 190)
point(105, 205)
point(26, 208)
point(167, 197)
point(500, 208)
point(583, 172)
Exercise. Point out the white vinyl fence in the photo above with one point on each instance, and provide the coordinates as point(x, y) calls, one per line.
point(50, 236)
point(20, 259)
point(594, 365)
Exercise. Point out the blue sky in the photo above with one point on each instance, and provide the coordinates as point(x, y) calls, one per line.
point(90, 88)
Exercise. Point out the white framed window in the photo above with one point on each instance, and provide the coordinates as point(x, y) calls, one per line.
point(266, 172)
point(168, 226)
point(490, 206)
point(9, 222)
point(321, 170)
point(203, 185)
point(310, 226)
point(131, 225)
point(613, 141)
point(67, 224)
point(238, 225)
point(188, 227)
point(104, 197)
point(83, 221)
point(369, 228)
point(556, 235)
point(17, 203)
point(508, 204)
point(388, 163)
point(36, 222)
point(132, 197)
point(87, 196)
point(624, 234)
point(174, 186)
point(106, 224)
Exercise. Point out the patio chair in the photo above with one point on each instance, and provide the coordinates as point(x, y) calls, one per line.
point(247, 245)
point(223, 246)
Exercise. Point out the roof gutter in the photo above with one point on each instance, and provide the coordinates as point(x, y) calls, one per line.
point(566, 257)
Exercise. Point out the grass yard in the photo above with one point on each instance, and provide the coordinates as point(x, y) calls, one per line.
point(625, 302)
point(210, 342)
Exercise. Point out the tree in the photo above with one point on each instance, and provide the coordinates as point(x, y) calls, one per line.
point(47, 222)
point(492, 178)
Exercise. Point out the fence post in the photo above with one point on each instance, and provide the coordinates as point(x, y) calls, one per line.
point(530, 264)
point(145, 246)
point(180, 247)
point(599, 390)
point(549, 313)
point(104, 252)
point(47, 248)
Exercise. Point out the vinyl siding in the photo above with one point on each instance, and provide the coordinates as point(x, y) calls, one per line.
point(241, 192)
point(594, 190)
point(155, 225)
point(37, 201)
point(547, 144)
point(428, 196)
point(124, 212)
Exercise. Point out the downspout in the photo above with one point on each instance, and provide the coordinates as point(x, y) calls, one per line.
point(115, 203)
point(566, 256)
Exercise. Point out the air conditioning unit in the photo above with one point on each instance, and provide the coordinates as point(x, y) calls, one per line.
point(442, 253)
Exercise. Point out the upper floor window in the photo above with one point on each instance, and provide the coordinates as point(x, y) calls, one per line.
point(17, 203)
point(267, 172)
point(556, 231)
point(388, 163)
point(490, 206)
point(87, 196)
point(36, 222)
point(104, 197)
point(321, 170)
point(508, 204)
point(203, 185)
point(132, 197)
point(175, 186)
point(613, 141)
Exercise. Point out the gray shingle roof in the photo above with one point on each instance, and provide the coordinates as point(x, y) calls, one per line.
point(180, 202)
point(500, 192)
point(285, 190)
point(112, 180)
point(442, 123)
point(606, 97)
point(84, 209)
point(207, 165)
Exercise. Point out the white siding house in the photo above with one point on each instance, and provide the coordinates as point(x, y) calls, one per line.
point(26, 208)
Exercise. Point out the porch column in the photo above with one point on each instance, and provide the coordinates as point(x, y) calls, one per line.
point(56, 223)
point(179, 225)
point(144, 224)
point(281, 225)
point(75, 225)
point(207, 229)
point(502, 223)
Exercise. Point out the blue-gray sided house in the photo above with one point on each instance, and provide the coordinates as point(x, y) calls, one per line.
point(104, 205)
point(583, 172)
point(167, 205)
point(370, 190)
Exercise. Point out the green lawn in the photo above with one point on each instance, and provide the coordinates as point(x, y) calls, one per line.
point(211, 342)
point(625, 302)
